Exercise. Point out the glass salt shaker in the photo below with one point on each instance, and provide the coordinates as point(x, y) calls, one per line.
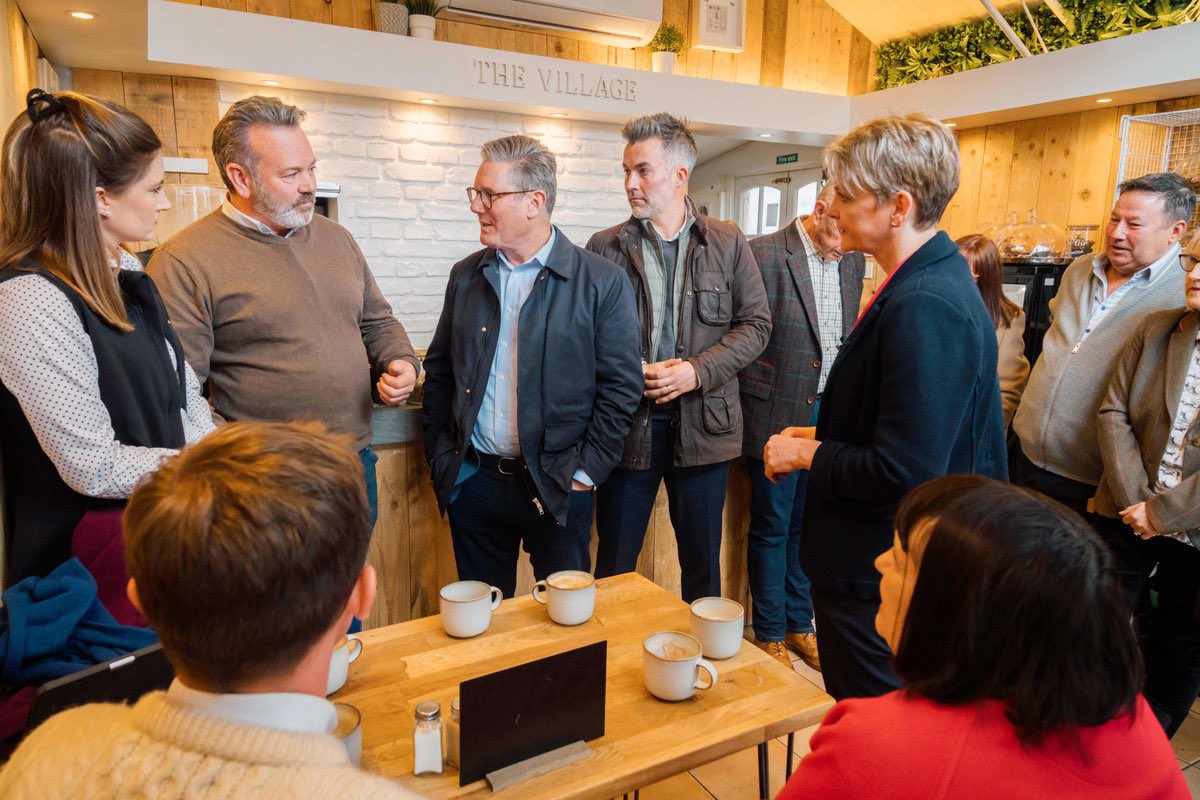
point(452, 734)
point(427, 739)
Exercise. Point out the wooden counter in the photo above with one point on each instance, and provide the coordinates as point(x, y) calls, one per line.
point(412, 553)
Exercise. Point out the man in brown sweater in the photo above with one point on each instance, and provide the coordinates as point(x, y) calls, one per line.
point(277, 309)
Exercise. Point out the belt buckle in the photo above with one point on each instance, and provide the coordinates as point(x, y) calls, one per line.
point(500, 464)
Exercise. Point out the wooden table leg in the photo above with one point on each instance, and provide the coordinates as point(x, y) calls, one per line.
point(790, 745)
point(764, 773)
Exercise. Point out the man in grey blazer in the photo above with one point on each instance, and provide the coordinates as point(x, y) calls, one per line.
point(1148, 504)
point(814, 291)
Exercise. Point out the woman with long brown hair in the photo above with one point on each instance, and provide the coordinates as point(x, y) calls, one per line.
point(1007, 318)
point(94, 390)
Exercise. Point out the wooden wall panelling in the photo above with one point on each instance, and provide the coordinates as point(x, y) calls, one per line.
point(353, 14)
point(229, 5)
point(1029, 144)
point(562, 47)
point(678, 12)
point(1058, 168)
point(622, 57)
point(862, 64)
point(748, 63)
point(389, 552)
point(151, 97)
point(724, 67)
point(774, 42)
point(273, 8)
point(997, 170)
point(312, 11)
point(963, 210)
point(103, 83)
point(1093, 178)
point(196, 107)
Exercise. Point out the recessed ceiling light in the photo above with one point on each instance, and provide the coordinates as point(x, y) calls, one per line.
point(428, 101)
point(764, 136)
point(1104, 100)
point(559, 115)
point(83, 14)
point(951, 124)
point(272, 83)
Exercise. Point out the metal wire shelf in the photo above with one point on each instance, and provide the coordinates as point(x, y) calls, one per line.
point(1165, 142)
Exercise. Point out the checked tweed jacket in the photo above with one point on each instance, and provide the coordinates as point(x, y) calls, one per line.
point(780, 386)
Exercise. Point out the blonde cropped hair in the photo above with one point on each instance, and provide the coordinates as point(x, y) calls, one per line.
point(913, 153)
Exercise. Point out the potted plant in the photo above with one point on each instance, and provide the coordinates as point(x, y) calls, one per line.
point(391, 16)
point(666, 44)
point(420, 17)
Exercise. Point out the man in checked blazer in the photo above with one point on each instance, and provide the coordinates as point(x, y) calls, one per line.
point(814, 290)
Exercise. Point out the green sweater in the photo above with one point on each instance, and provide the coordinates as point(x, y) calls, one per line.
point(280, 328)
point(164, 750)
point(1056, 421)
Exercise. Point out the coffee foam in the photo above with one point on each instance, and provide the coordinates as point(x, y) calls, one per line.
point(718, 610)
point(570, 582)
point(672, 649)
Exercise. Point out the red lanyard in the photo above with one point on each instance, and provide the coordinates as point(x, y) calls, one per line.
point(878, 291)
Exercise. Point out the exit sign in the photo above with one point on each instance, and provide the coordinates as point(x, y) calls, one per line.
point(790, 158)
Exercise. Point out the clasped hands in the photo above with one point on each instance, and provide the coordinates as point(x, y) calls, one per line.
point(666, 380)
point(395, 385)
point(789, 450)
point(1137, 518)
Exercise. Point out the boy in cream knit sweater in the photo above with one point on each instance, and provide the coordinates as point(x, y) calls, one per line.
point(247, 554)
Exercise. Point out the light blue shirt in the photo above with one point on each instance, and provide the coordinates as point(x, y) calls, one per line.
point(496, 426)
point(282, 711)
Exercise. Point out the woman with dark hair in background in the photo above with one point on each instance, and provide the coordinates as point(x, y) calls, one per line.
point(1020, 670)
point(94, 390)
point(1007, 318)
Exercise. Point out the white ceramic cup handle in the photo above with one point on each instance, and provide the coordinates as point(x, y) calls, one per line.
point(354, 646)
point(497, 596)
point(712, 675)
point(539, 592)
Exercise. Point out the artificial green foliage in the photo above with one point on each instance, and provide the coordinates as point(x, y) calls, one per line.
point(980, 43)
point(430, 8)
point(669, 39)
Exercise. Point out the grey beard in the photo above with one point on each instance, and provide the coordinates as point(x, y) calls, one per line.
point(284, 216)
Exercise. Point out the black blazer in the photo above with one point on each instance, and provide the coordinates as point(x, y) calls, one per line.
point(913, 395)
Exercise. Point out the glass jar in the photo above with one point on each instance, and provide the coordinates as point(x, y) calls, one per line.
point(1032, 242)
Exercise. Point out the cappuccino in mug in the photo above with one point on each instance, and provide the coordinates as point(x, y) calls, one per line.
point(569, 596)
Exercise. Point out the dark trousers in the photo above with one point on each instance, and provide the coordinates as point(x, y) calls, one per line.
point(855, 660)
point(493, 516)
point(1071, 493)
point(696, 499)
point(1165, 609)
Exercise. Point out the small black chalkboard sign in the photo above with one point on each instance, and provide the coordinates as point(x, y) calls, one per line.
point(527, 710)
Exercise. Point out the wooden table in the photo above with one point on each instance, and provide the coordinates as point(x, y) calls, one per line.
point(646, 739)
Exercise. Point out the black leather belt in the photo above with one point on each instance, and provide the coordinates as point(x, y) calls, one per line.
point(505, 465)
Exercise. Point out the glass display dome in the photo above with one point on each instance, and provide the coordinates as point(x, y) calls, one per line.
point(1032, 242)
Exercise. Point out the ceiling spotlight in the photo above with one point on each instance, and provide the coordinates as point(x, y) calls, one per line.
point(559, 115)
point(272, 83)
point(764, 136)
point(428, 101)
point(83, 14)
point(1104, 100)
point(951, 124)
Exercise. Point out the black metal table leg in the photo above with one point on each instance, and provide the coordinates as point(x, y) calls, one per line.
point(764, 775)
point(791, 744)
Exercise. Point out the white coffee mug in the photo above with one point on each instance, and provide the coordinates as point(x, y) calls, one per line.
point(349, 730)
point(569, 596)
point(346, 653)
point(719, 624)
point(673, 667)
point(467, 607)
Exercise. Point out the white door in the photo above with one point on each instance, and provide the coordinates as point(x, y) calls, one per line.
point(764, 203)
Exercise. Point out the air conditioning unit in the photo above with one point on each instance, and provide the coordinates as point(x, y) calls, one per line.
point(620, 23)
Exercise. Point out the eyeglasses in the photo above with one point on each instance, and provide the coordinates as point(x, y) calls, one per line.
point(486, 198)
point(1188, 262)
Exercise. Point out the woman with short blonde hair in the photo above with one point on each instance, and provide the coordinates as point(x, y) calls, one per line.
point(913, 393)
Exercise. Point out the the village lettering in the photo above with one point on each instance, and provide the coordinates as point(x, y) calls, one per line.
point(555, 81)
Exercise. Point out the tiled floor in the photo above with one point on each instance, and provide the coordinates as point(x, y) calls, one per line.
point(1187, 749)
point(735, 777)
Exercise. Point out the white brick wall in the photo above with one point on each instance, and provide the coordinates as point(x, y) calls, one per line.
point(404, 169)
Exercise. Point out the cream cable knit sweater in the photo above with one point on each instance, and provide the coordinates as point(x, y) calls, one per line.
point(159, 749)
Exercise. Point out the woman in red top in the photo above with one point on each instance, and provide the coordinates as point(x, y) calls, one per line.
point(1019, 664)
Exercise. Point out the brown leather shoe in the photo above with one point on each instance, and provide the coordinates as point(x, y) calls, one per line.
point(806, 645)
point(775, 650)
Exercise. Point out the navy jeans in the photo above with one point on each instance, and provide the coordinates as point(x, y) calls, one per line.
point(493, 516)
point(696, 500)
point(781, 591)
point(369, 459)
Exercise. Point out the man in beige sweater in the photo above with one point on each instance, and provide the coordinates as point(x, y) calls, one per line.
point(277, 309)
point(247, 555)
